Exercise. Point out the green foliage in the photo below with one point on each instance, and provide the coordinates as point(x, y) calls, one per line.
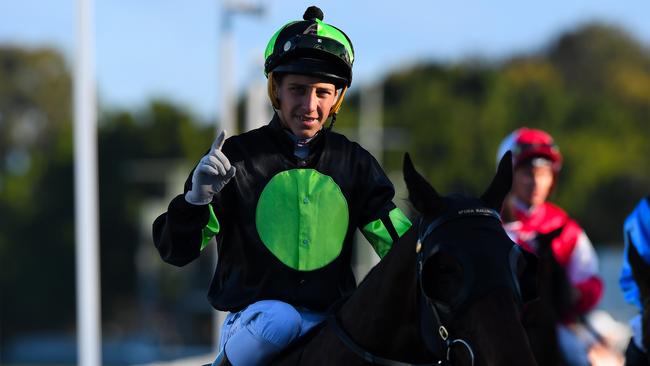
point(590, 90)
point(36, 236)
point(136, 152)
point(37, 243)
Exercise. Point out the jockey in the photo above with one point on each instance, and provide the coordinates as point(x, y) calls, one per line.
point(527, 213)
point(636, 231)
point(283, 202)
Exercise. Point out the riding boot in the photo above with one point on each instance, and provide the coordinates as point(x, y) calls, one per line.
point(222, 360)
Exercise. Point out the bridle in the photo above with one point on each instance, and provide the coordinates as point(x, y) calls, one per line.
point(429, 310)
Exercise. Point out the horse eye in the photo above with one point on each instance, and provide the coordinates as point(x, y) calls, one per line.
point(442, 277)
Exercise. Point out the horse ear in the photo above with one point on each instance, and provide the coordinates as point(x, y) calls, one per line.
point(501, 183)
point(422, 195)
point(544, 240)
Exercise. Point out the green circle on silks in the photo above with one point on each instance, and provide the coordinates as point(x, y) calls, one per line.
point(302, 218)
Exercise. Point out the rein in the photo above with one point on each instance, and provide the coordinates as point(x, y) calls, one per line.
point(443, 343)
point(365, 355)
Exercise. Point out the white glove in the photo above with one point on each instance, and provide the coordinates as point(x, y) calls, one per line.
point(211, 174)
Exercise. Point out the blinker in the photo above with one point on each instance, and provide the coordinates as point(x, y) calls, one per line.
point(500, 261)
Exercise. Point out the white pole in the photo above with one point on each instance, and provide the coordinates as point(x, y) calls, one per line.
point(371, 138)
point(227, 107)
point(228, 95)
point(86, 213)
point(227, 121)
point(227, 69)
point(371, 132)
point(258, 111)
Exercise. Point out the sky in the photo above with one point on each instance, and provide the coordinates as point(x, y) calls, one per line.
point(170, 48)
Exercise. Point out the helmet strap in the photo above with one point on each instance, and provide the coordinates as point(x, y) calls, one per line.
point(339, 101)
point(270, 89)
point(335, 108)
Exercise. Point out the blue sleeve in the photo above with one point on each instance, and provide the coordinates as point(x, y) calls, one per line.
point(626, 282)
point(636, 231)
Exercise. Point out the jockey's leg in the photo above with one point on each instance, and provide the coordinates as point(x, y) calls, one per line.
point(258, 333)
point(635, 354)
point(221, 360)
point(574, 350)
point(310, 319)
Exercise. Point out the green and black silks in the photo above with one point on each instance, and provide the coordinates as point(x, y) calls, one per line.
point(285, 226)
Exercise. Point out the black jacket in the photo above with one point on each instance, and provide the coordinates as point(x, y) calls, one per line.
point(285, 245)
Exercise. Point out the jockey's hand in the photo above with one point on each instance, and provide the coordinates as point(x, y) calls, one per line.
point(211, 174)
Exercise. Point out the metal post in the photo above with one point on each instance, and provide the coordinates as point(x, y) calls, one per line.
point(228, 95)
point(86, 201)
point(258, 108)
point(371, 138)
point(371, 132)
point(227, 107)
point(227, 87)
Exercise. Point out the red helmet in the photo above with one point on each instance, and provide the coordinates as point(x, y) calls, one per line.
point(528, 144)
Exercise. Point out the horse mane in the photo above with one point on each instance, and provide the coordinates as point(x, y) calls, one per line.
point(553, 304)
point(391, 283)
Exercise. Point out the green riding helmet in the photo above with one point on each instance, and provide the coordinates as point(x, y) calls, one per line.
point(311, 47)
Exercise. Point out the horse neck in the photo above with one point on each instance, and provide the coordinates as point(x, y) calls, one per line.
point(541, 317)
point(382, 314)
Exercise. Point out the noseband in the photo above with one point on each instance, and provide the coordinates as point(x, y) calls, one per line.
point(429, 310)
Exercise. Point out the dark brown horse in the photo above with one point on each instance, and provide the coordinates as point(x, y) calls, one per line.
point(449, 292)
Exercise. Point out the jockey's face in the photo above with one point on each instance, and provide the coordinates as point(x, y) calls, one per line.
point(305, 103)
point(532, 184)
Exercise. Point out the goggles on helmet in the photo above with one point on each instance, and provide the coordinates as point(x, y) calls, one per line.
point(311, 47)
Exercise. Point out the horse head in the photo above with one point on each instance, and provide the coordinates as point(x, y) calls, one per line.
point(473, 278)
point(449, 292)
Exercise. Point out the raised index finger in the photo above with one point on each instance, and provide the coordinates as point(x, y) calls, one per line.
point(218, 142)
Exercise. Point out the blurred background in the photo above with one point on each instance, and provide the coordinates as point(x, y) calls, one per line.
point(445, 81)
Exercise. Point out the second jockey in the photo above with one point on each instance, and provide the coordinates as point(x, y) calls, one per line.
point(527, 213)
